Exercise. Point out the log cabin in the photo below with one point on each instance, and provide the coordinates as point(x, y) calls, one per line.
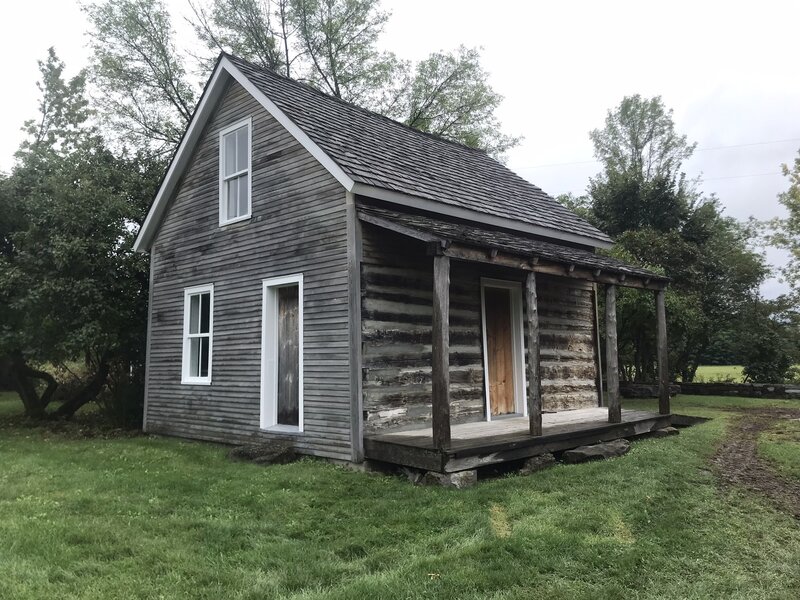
point(324, 275)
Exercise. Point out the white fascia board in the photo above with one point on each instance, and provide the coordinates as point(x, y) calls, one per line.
point(216, 85)
point(180, 161)
point(475, 216)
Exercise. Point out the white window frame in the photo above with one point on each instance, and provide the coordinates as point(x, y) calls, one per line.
point(517, 341)
point(269, 353)
point(223, 203)
point(186, 378)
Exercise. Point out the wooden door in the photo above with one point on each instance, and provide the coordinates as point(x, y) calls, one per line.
point(499, 349)
point(288, 356)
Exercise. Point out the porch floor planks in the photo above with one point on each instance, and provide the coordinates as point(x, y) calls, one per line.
point(508, 430)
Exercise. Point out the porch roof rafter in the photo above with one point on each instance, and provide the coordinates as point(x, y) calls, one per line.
point(470, 243)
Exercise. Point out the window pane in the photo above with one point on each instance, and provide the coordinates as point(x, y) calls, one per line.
point(232, 186)
point(204, 345)
point(230, 153)
point(194, 313)
point(242, 150)
point(244, 193)
point(205, 313)
point(194, 356)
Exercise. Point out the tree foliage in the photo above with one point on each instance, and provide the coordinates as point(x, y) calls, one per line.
point(141, 78)
point(258, 31)
point(659, 220)
point(333, 46)
point(768, 341)
point(73, 290)
point(639, 139)
point(450, 96)
point(339, 39)
point(785, 232)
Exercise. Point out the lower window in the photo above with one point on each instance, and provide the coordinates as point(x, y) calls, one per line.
point(198, 317)
point(282, 354)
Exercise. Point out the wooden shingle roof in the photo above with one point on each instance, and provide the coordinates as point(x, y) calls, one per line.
point(380, 152)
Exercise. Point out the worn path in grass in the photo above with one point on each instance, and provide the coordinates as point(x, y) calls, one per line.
point(738, 463)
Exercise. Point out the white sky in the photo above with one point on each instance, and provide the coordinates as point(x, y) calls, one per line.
point(728, 69)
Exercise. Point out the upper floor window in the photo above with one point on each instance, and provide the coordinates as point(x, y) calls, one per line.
point(234, 172)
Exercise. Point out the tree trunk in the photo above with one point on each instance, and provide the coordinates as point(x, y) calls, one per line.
point(22, 376)
point(86, 394)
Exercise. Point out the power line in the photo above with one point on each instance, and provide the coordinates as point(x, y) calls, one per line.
point(704, 179)
point(749, 144)
point(740, 176)
point(586, 162)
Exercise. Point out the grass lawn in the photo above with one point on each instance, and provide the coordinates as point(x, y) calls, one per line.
point(711, 373)
point(147, 517)
point(781, 445)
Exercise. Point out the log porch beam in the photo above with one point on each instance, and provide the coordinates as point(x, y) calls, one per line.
point(663, 355)
point(534, 377)
point(460, 252)
point(612, 360)
point(440, 361)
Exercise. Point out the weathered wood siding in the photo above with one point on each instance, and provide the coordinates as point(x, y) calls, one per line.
point(396, 293)
point(298, 226)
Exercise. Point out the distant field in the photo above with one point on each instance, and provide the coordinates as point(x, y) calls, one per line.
point(708, 373)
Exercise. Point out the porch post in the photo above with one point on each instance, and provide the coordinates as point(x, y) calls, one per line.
point(612, 362)
point(663, 355)
point(534, 379)
point(440, 360)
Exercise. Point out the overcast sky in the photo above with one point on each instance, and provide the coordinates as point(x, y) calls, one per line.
point(728, 69)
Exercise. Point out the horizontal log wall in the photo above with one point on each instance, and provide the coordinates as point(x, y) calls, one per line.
point(298, 226)
point(397, 282)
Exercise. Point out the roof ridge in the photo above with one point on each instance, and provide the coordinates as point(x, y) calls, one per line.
point(367, 111)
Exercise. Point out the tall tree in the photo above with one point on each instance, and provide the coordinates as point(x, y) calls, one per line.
point(450, 96)
point(259, 31)
point(140, 76)
point(785, 232)
point(333, 45)
point(639, 138)
point(658, 218)
point(71, 286)
point(339, 39)
point(768, 340)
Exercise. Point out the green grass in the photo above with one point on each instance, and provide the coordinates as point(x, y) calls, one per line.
point(708, 406)
point(9, 404)
point(711, 373)
point(781, 445)
point(149, 517)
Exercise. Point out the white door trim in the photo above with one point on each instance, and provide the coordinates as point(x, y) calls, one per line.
point(517, 342)
point(268, 419)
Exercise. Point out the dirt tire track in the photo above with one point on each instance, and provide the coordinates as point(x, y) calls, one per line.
point(738, 464)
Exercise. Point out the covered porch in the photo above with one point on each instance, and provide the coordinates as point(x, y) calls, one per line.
point(447, 446)
point(480, 444)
